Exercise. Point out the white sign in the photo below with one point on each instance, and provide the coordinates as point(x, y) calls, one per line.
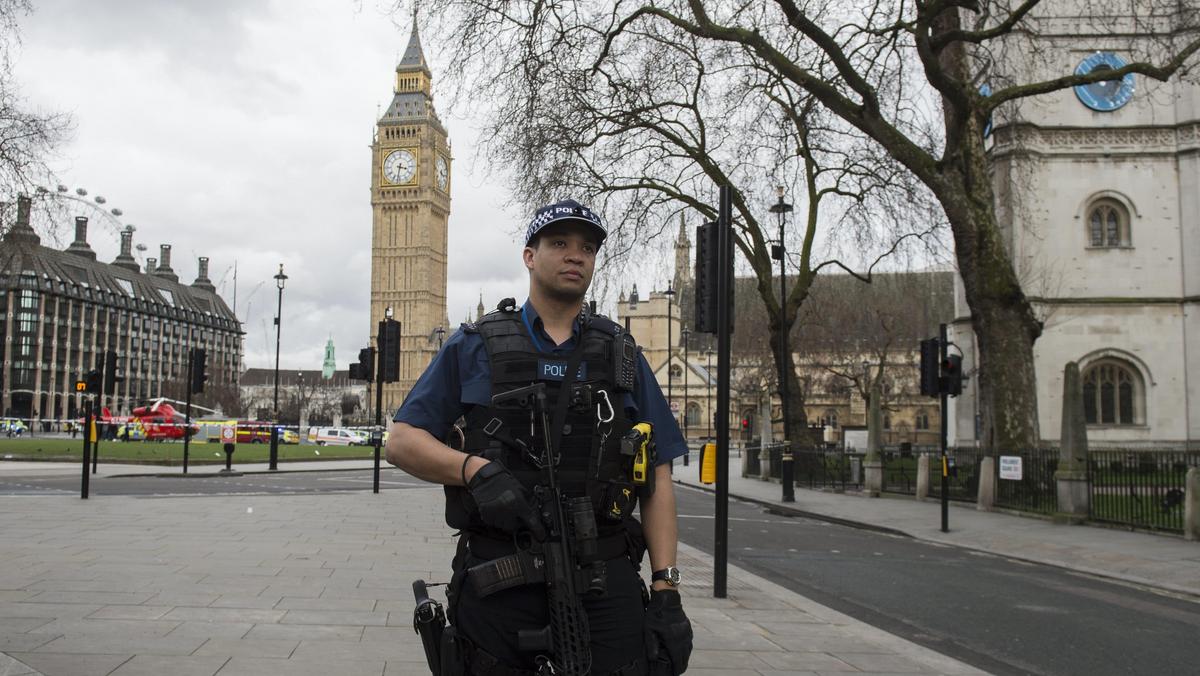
point(1010, 467)
point(228, 434)
point(855, 440)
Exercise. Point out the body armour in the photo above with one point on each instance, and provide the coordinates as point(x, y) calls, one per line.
point(590, 460)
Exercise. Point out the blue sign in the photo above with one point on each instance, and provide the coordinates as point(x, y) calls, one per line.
point(1108, 95)
point(557, 370)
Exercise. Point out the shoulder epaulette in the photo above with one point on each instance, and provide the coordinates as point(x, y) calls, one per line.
point(605, 325)
point(469, 327)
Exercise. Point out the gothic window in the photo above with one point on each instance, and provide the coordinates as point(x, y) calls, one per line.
point(693, 415)
point(887, 421)
point(1108, 224)
point(1112, 394)
point(676, 372)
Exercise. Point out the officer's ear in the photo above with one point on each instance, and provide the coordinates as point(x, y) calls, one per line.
point(527, 254)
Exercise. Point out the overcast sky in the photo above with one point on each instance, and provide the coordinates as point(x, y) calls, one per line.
point(240, 130)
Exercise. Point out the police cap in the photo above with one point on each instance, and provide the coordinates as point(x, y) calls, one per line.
point(566, 211)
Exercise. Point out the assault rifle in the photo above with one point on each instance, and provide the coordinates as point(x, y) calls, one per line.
point(571, 527)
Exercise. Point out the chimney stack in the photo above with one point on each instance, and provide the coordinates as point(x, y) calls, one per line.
point(125, 258)
point(164, 264)
point(80, 246)
point(21, 233)
point(151, 265)
point(202, 280)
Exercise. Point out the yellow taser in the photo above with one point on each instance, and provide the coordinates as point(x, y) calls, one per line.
point(637, 443)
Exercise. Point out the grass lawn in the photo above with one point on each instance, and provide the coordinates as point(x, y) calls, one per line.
point(170, 453)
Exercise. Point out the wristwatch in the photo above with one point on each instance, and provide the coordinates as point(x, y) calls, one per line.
point(670, 575)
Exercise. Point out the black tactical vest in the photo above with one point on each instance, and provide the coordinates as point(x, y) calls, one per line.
point(590, 460)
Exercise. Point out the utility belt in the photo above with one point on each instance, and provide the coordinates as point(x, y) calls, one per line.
point(508, 566)
point(476, 661)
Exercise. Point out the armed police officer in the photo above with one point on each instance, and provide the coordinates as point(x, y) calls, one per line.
point(564, 431)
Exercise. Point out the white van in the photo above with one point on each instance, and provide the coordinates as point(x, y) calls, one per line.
point(336, 436)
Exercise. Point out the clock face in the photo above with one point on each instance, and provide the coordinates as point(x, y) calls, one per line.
point(400, 166)
point(1108, 95)
point(443, 173)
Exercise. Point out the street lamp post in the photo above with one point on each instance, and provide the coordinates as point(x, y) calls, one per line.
point(686, 334)
point(670, 294)
point(708, 387)
point(280, 281)
point(441, 333)
point(781, 209)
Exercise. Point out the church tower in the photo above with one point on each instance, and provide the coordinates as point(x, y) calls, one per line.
point(410, 208)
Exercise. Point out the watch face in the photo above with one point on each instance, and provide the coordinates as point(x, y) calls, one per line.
point(443, 173)
point(673, 576)
point(1108, 95)
point(400, 166)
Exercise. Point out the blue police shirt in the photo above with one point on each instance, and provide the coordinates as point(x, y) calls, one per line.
point(460, 378)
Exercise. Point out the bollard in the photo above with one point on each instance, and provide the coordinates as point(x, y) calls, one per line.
point(228, 459)
point(923, 476)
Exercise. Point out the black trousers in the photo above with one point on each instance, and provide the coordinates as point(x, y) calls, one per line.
point(616, 619)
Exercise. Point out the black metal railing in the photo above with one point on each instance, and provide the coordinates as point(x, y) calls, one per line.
point(900, 470)
point(1142, 489)
point(963, 465)
point(1035, 490)
point(828, 468)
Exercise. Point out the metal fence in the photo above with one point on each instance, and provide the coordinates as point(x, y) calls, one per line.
point(964, 474)
point(1142, 489)
point(1036, 490)
point(812, 467)
point(900, 471)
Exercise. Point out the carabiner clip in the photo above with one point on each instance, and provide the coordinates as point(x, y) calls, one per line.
point(611, 413)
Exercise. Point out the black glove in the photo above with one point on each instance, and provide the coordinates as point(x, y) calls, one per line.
point(668, 632)
point(502, 501)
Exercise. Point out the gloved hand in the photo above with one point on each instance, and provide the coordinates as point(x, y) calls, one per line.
point(668, 631)
point(502, 501)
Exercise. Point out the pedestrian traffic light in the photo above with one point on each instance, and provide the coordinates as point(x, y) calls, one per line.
point(952, 374)
point(199, 362)
point(364, 369)
point(389, 351)
point(91, 382)
point(929, 368)
point(110, 373)
point(745, 424)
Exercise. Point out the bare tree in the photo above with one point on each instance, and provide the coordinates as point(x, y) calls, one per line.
point(599, 69)
point(26, 136)
point(650, 128)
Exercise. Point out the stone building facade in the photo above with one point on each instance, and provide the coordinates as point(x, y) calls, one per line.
point(61, 310)
point(1098, 190)
point(410, 206)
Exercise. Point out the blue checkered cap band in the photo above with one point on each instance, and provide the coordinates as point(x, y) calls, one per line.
point(566, 210)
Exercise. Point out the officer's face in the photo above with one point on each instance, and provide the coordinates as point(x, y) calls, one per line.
point(562, 260)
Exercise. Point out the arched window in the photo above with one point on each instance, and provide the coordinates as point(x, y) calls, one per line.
point(1107, 224)
point(887, 421)
point(693, 414)
point(1112, 394)
point(922, 419)
point(676, 372)
point(830, 419)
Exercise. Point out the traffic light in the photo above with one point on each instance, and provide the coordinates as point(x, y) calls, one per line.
point(199, 361)
point(91, 382)
point(110, 373)
point(364, 369)
point(952, 374)
point(389, 351)
point(707, 270)
point(745, 424)
point(929, 368)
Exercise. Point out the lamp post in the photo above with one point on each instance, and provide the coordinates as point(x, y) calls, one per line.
point(441, 333)
point(670, 294)
point(708, 387)
point(280, 281)
point(781, 209)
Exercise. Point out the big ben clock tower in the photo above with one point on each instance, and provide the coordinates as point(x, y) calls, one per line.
point(410, 205)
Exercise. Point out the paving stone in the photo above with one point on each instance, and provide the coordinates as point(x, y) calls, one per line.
point(874, 662)
point(123, 645)
point(805, 662)
point(107, 598)
point(20, 643)
point(224, 615)
point(103, 627)
point(130, 613)
point(16, 625)
point(266, 602)
point(309, 632)
point(365, 618)
point(325, 603)
point(257, 666)
point(157, 665)
point(248, 647)
point(203, 629)
point(72, 665)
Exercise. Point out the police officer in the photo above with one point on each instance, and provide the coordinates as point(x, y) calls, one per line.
point(598, 386)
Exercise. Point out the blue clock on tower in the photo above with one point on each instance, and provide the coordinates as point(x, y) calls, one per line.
point(1107, 95)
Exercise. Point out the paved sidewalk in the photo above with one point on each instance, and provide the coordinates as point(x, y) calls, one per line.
point(1161, 561)
point(321, 584)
